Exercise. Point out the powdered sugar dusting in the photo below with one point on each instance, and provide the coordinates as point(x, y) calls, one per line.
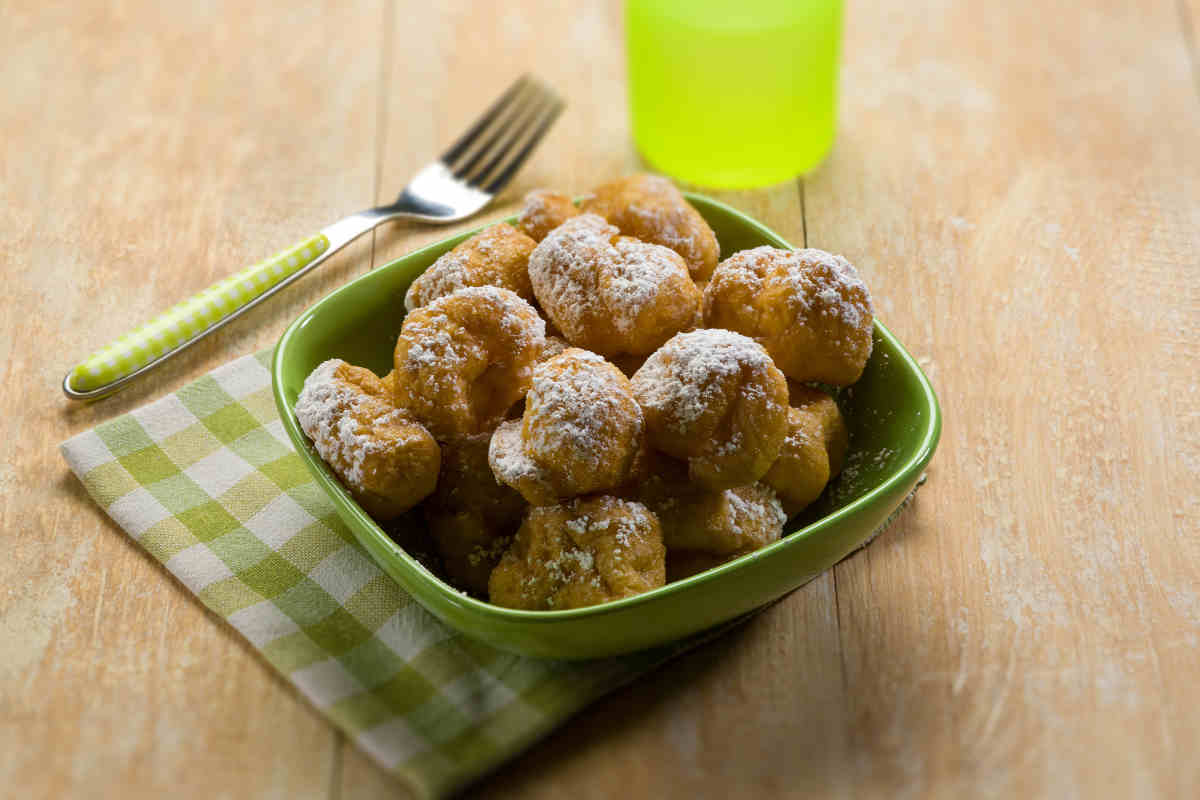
point(820, 283)
point(431, 343)
point(543, 211)
point(496, 256)
point(638, 278)
point(449, 342)
point(507, 458)
point(444, 276)
point(689, 373)
point(582, 405)
point(581, 552)
point(435, 361)
point(519, 321)
point(652, 209)
point(564, 269)
point(517, 318)
point(599, 515)
point(586, 276)
point(331, 412)
point(754, 508)
point(797, 438)
point(435, 348)
point(667, 230)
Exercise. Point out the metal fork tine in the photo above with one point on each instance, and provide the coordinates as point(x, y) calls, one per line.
point(501, 180)
point(495, 136)
point(505, 148)
point(464, 142)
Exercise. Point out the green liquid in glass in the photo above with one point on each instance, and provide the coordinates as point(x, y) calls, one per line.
point(733, 93)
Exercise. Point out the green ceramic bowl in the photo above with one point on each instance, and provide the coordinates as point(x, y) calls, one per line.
point(892, 414)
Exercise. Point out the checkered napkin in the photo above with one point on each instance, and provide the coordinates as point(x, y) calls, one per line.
point(207, 482)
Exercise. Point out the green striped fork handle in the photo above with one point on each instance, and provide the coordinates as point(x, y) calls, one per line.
point(112, 366)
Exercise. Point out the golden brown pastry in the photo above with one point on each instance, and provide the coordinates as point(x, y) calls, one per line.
point(471, 516)
point(714, 399)
point(813, 451)
point(808, 308)
point(388, 382)
point(581, 431)
point(464, 359)
point(719, 522)
point(583, 552)
point(496, 256)
point(608, 293)
point(544, 211)
point(800, 473)
point(832, 424)
point(387, 461)
point(650, 208)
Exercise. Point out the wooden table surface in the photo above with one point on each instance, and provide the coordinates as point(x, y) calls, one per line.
point(1019, 183)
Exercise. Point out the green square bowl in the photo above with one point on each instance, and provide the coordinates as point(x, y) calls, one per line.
point(894, 424)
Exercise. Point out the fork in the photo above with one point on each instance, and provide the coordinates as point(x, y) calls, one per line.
point(460, 183)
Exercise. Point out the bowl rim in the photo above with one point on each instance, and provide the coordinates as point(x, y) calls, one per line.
point(337, 493)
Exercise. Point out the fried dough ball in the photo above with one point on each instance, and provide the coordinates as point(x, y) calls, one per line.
point(544, 211)
point(720, 522)
point(581, 422)
point(496, 256)
point(387, 461)
point(800, 473)
point(587, 551)
point(610, 293)
point(512, 466)
point(650, 208)
point(471, 516)
point(809, 309)
point(831, 422)
point(813, 451)
point(582, 431)
point(464, 359)
point(714, 399)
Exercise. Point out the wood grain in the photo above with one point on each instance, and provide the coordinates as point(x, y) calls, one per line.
point(144, 154)
point(1017, 183)
point(1032, 630)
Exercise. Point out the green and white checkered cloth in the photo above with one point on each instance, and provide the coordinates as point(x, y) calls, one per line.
point(208, 483)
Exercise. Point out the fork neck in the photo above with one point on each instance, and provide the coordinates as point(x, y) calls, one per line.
point(349, 228)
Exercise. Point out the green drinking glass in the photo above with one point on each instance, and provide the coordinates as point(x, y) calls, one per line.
point(733, 94)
